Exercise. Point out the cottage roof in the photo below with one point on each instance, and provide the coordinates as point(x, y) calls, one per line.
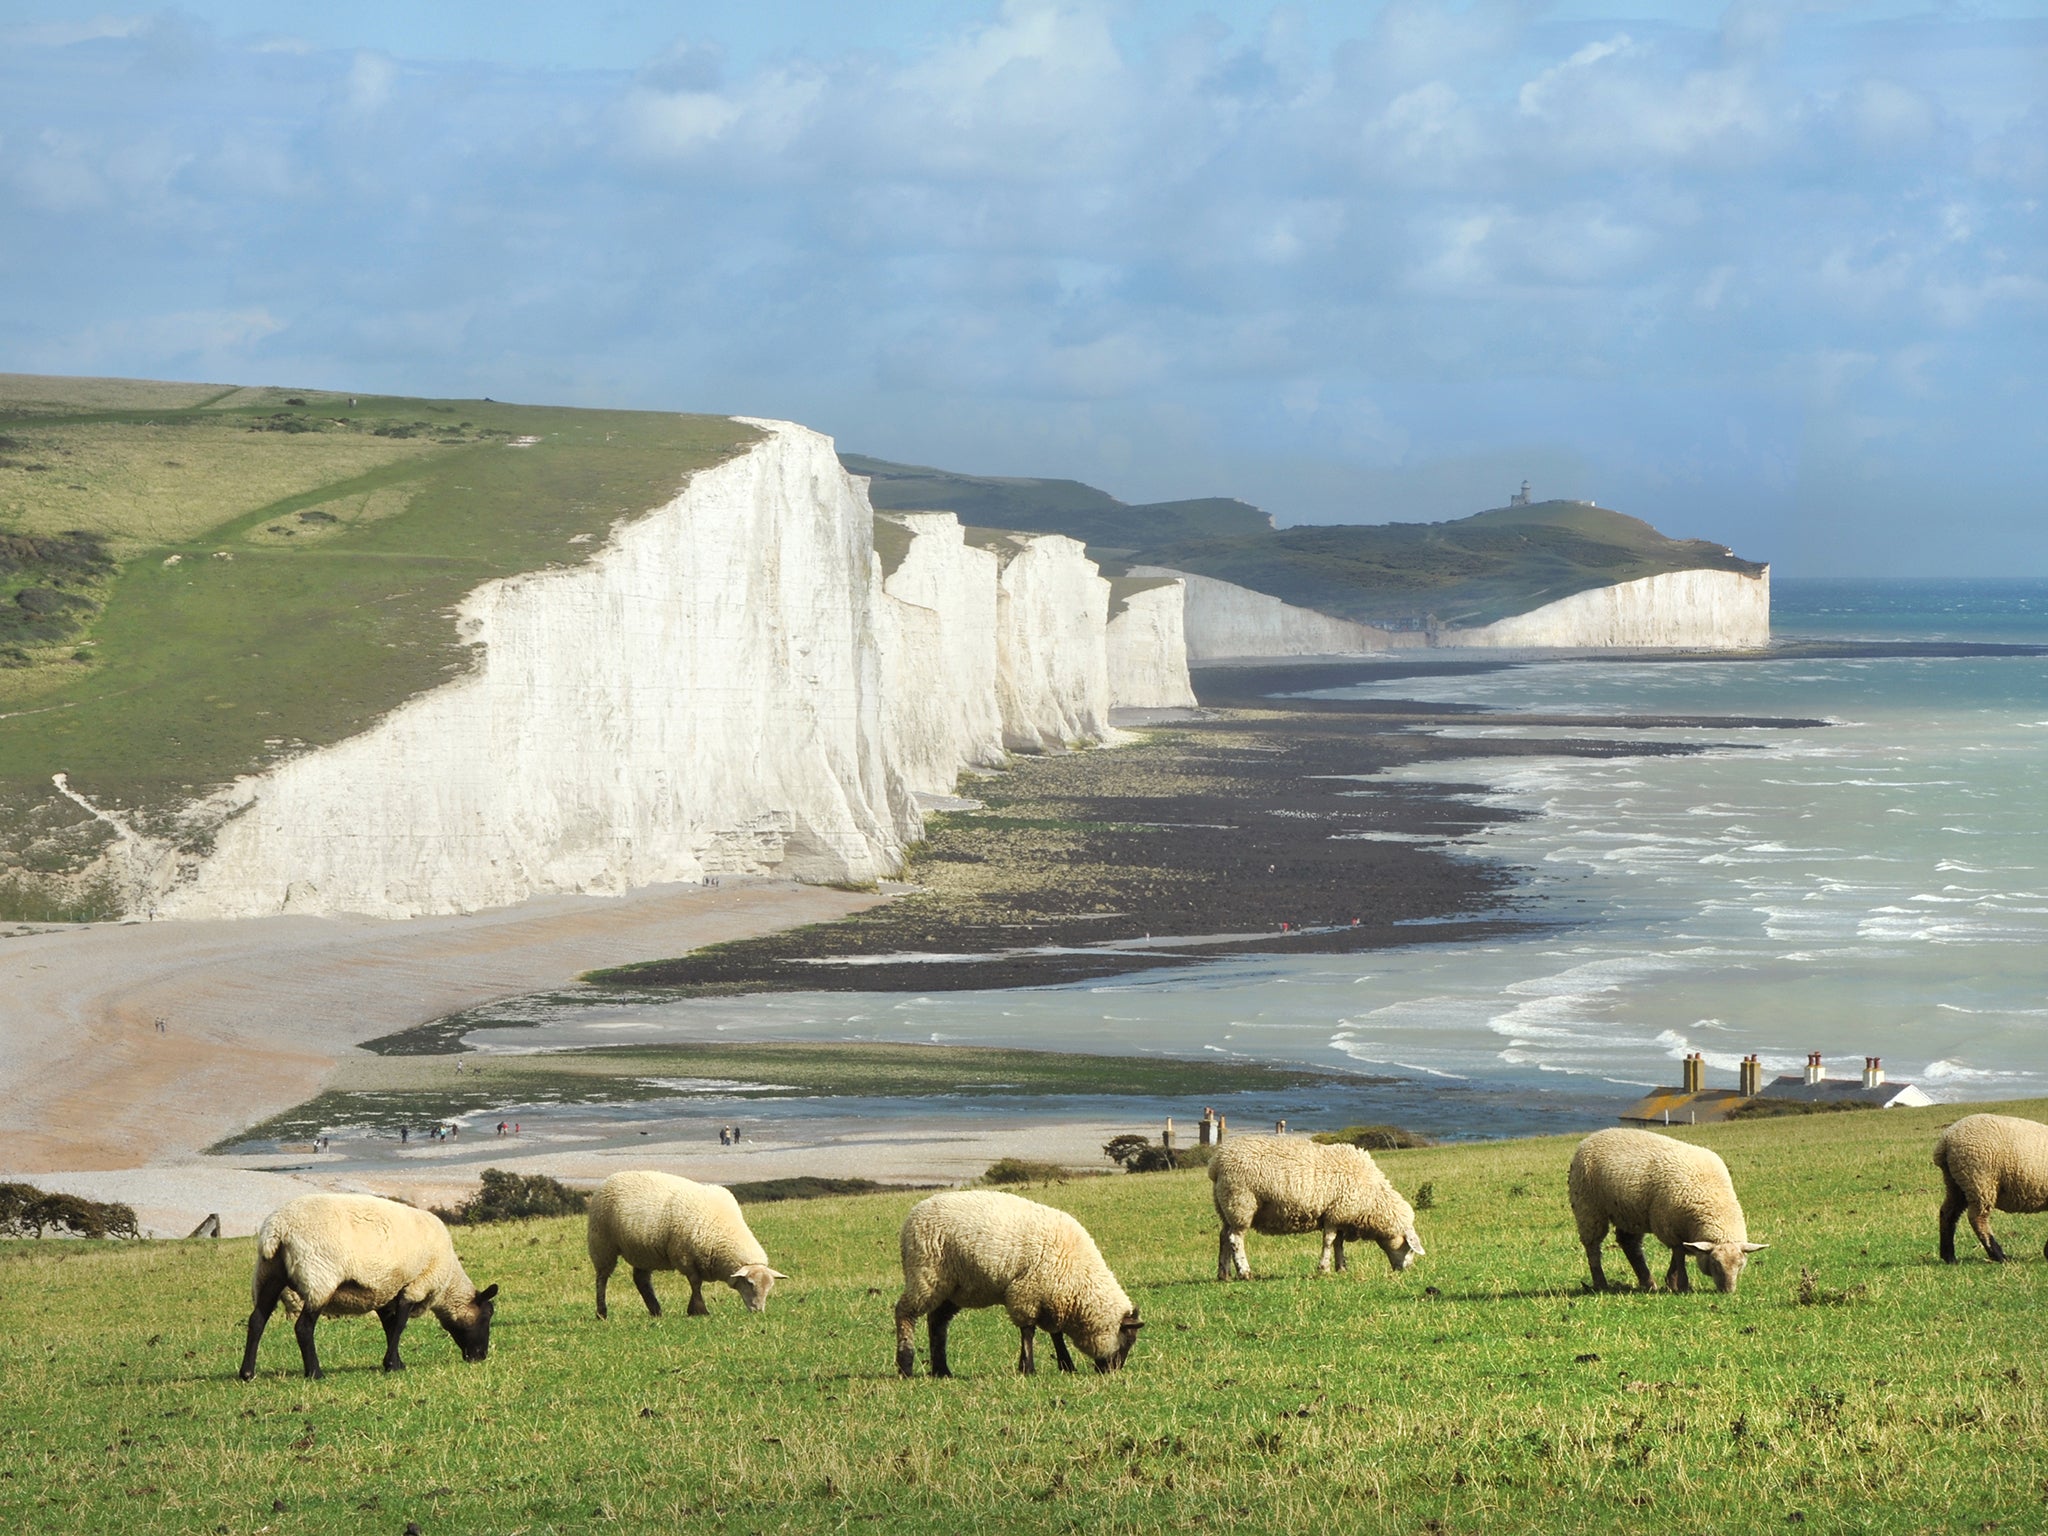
point(1844, 1090)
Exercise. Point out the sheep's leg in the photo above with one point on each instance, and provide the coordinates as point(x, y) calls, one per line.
point(1059, 1349)
point(604, 1278)
point(1678, 1278)
point(1593, 1261)
point(1239, 1259)
point(1339, 1253)
point(941, 1318)
point(643, 1282)
point(697, 1307)
point(393, 1316)
point(1631, 1244)
point(303, 1329)
point(1027, 1364)
point(270, 1284)
point(1952, 1204)
point(1980, 1223)
point(906, 1342)
point(1223, 1254)
point(1324, 1263)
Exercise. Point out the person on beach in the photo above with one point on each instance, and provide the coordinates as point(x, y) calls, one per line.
point(725, 1135)
point(404, 1134)
point(501, 1130)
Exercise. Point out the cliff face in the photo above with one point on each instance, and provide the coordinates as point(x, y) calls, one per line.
point(1224, 620)
point(1679, 610)
point(1052, 618)
point(735, 684)
point(1148, 652)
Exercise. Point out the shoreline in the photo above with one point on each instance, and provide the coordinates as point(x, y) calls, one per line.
point(258, 1013)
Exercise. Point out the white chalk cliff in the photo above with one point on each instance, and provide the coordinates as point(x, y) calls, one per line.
point(732, 684)
point(1148, 652)
point(1679, 610)
point(1225, 621)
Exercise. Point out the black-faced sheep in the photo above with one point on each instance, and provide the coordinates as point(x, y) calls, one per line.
point(658, 1221)
point(345, 1255)
point(983, 1248)
point(1990, 1163)
point(1640, 1182)
point(1282, 1185)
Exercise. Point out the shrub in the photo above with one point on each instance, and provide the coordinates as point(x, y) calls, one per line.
point(1375, 1138)
point(507, 1196)
point(1135, 1154)
point(1772, 1109)
point(27, 1211)
point(1023, 1170)
point(1425, 1196)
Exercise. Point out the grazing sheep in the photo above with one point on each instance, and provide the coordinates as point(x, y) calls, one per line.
point(658, 1221)
point(344, 1255)
point(1282, 1185)
point(983, 1248)
point(1637, 1182)
point(1990, 1163)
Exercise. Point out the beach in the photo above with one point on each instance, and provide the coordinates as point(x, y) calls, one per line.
point(256, 1014)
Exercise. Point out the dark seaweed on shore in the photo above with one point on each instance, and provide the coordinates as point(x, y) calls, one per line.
point(1257, 827)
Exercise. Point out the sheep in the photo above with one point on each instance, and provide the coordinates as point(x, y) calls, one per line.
point(1637, 1182)
point(658, 1221)
point(984, 1248)
point(344, 1255)
point(1281, 1185)
point(1990, 1163)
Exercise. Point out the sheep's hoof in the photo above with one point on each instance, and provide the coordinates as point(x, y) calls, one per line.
point(906, 1363)
point(247, 1373)
point(394, 1365)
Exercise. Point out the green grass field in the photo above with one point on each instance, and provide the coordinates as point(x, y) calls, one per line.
point(1854, 1383)
point(286, 567)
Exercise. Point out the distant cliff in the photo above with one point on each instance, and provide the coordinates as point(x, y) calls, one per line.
point(740, 681)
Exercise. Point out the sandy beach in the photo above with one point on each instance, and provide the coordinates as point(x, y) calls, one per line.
point(255, 1014)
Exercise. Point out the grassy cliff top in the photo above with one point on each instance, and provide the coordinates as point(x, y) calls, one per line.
point(1853, 1383)
point(1466, 572)
point(196, 580)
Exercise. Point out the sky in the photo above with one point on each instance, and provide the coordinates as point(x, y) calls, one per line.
point(1774, 274)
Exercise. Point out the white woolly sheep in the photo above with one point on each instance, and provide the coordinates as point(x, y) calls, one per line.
point(1638, 1182)
point(1990, 1163)
point(345, 1255)
point(658, 1221)
point(1284, 1185)
point(983, 1248)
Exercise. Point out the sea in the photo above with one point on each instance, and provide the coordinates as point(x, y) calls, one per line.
point(1876, 885)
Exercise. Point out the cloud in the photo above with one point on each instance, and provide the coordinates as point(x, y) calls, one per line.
point(1255, 256)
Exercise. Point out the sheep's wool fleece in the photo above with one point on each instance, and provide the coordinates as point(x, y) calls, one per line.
point(659, 1221)
point(1283, 1184)
point(1639, 1181)
point(1999, 1162)
point(380, 1248)
point(984, 1248)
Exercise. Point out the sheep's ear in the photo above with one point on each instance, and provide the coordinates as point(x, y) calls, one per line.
point(1701, 1247)
point(487, 1293)
point(1754, 1247)
point(776, 1274)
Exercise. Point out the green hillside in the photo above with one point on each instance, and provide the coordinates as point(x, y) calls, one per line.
point(1853, 1383)
point(1467, 572)
point(1052, 506)
point(196, 580)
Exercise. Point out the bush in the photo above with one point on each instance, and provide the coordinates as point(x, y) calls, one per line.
point(1772, 1109)
point(507, 1196)
point(26, 1211)
point(1374, 1138)
point(1135, 1154)
point(1023, 1170)
point(1425, 1196)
